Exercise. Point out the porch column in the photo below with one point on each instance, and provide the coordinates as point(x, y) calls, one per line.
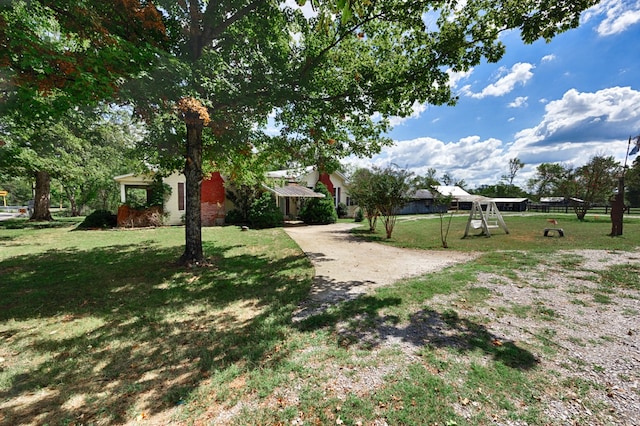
point(123, 193)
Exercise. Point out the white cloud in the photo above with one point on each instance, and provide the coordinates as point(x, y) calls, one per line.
point(619, 16)
point(470, 158)
point(519, 102)
point(455, 77)
point(417, 108)
point(520, 73)
point(548, 58)
point(573, 129)
point(581, 125)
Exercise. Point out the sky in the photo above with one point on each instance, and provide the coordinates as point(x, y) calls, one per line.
point(559, 102)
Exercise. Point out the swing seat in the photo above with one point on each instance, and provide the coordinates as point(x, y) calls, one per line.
point(479, 219)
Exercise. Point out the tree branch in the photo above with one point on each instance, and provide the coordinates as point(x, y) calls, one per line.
point(211, 32)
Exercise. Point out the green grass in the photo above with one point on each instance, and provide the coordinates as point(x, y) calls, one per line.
point(525, 233)
point(102, 327)
point(108, 320)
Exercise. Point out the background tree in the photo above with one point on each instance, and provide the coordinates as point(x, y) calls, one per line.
point(449, 180)
point(632, 183)
point(57, 55)
point(81, 150)
point(428, 181)
point(593, 183)
point(548, 180)
point(501, 190)
point(515, 165)
point(390, 187)
point(361, 191)
point(442, 203)
point(33, 151)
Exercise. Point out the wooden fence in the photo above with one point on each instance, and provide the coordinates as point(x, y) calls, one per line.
point(569, 209)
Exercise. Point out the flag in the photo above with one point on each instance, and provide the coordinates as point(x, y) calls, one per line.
point(636, 147)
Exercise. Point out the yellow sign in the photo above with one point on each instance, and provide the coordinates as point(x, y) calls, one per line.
point(4, 193)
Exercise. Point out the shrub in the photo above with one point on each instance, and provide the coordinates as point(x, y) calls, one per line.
point(342, 210)
point(99, 219)
point(319, 211)
point(359, 216)
point(234, 217)
point(264, 213)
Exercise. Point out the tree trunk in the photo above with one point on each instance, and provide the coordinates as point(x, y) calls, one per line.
point(581, 211)
point(42, 198)
point(193, 254)
point(617, 210)
point(72, 201)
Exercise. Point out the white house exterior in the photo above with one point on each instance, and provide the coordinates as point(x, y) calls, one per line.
point(289, 186)
point(335, 182)
point(214, 204)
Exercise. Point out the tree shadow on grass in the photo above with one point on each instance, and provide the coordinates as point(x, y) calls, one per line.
point(101, 335)
point(25, 223)
point(367, 235)
point(358, 322)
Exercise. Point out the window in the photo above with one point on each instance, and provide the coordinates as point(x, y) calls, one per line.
point(180, 196)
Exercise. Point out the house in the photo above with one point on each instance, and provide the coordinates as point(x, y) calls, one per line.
point(289, 187)
point(422, 201)
point(214, 204)
point(292, 185)
point(511, 204)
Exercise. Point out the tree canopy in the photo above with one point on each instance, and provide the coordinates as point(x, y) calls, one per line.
point(382, 191)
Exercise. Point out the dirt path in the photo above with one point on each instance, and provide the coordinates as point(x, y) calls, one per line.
point(347, 267)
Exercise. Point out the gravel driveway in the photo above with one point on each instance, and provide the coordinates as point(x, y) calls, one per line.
point(594, 342)
point(347, 267)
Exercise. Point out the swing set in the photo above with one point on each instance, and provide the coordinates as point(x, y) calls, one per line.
point(485, 220)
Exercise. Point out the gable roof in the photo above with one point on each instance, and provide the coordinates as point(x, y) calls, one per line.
point(299, 173)
point(454, 191)
point(294, 191)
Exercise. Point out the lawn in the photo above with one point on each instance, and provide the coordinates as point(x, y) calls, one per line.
point(526, 232)
point(102, 327)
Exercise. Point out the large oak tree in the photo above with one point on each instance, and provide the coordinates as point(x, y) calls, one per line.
point(60, 54)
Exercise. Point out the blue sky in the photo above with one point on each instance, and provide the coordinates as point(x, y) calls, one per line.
point(558, 102)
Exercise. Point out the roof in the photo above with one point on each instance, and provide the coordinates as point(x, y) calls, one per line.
point(421, 194)
point(294, 191)
point(133, 178)
point(296, 174)
point(551, 199)
point(454, 191)
point(457, 194)
point(509, 200)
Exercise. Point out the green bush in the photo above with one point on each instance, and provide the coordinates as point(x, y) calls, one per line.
point(234, 217)
point(342, 210)
point(99, 219)
point(319, 211)
point(359, 216)
point(264, 213)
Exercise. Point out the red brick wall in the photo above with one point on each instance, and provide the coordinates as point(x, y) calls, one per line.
point(324, 178)
point(212, 200)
